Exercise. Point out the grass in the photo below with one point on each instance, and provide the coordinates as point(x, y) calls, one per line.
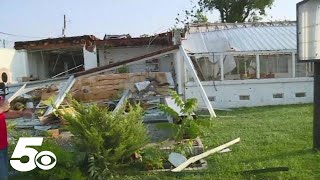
point(277, 136)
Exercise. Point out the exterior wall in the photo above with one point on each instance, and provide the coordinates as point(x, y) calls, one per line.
point(38, 65)
point(262, 92)
point(90, 58)
point(113, 55)
point(14, 63)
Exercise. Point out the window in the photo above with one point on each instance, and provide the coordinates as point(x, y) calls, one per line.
point(212, 98)
point(278, 95)
point(275, 66)
point(301, 94)
point(206, 68)
point(244, 97)
point(245, 68)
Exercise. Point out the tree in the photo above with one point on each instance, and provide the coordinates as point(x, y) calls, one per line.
point(200, 17)
point(237, 10)
point(195, 15)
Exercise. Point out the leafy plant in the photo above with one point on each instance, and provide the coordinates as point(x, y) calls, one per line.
point(108, 139)
point(185, 127)
point(185, 148)
point(187, 108)
point(123, 69)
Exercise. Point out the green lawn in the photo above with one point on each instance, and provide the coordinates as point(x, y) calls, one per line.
point(278, 136)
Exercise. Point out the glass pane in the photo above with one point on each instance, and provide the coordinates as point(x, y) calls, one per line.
point(275, 66)
point(245, 68)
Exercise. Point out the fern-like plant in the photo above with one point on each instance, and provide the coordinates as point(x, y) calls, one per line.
point(109, 139)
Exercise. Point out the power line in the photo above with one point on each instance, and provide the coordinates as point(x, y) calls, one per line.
point(16, 35)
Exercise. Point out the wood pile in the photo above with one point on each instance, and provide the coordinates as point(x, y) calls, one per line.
point(111, 86)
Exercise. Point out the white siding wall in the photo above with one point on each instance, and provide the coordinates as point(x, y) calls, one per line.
point(14, 63)
point(113, 55)
point(90, 58)
point(261, 92)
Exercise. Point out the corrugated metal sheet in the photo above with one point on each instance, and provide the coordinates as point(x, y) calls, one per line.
point(244, 39)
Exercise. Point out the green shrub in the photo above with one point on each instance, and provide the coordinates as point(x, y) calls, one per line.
point(109, 139)
point(67, 167)
point(153, 158)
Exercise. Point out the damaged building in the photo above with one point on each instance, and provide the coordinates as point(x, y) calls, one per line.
point(247, 64)
point(222, 65)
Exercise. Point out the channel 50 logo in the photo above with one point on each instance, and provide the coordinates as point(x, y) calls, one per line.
point(44, 160)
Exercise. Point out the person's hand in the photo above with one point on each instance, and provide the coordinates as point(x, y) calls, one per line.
point(4, 106)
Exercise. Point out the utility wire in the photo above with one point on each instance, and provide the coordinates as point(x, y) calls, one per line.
point(16, 35)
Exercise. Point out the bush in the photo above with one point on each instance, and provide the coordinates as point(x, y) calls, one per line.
point(109, 139)
point(153, 158)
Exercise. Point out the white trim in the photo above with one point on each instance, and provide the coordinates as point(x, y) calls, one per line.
point(253, 81)
point(258, 66)
point(293, 65)
point(221, 67)
point(235, 53)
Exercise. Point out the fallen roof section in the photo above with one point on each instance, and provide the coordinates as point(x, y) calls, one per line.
point(58, 43)
point(163, 39)
point(144, 57)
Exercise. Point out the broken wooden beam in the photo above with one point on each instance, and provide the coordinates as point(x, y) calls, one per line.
point(144, 57)
point(123, 99)
point(17, 93)
point(62, 94)
point(190, 67)
point(203, 155)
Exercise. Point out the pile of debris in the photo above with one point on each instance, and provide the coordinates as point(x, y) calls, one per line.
point(108, 90)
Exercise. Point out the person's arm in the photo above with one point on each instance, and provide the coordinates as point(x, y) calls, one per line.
point(12, 114)
point(4, 106)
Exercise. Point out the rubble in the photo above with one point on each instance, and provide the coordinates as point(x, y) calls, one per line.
point(107, 90)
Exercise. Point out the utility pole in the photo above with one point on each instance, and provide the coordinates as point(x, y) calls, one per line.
point(307, 46)
point(316, 121)
point(64, 26)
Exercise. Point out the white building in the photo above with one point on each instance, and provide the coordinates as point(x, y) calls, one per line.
point(257, 60)
point(14, 63)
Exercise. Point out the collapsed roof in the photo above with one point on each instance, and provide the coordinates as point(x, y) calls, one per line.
point(90, 41)
point(58, 43)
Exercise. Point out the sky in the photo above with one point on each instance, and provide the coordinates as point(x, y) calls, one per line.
point(38, 19)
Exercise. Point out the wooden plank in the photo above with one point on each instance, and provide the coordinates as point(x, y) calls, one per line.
point(152, 55)
point(17, 93)
point(203, 155)
point(62, 94)
point(188, 62)
point(124, 97)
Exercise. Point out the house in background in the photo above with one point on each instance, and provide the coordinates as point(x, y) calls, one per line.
point(14, 63)
point(54, 57)
point(114, 50)
point(247, 64)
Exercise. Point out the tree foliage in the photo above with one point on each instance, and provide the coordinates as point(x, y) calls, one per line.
point(237, 10)
point(195, 15)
